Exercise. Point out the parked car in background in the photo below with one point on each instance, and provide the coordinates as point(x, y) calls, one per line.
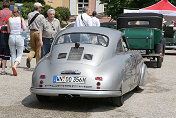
point(26, 36)
point(170, 36)
point(69, 25)
point(109, 25)
point(144, 32)
point(89, 62)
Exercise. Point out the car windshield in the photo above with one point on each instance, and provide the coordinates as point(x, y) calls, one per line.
point(83, 38)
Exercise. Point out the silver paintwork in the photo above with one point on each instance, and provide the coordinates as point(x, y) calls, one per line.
point(121, 72)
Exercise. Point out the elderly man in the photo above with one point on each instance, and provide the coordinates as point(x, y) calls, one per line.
point(84, 19)
point(5, 12)
point(48, 30)
point(34, 22)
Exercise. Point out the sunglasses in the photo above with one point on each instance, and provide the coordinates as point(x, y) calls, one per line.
point(53, 28)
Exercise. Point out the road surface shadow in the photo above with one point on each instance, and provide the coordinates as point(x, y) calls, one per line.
point(75, 104)
point(151, 64)
point(26, 68)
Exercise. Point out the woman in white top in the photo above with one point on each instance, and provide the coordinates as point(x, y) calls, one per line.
point(16, 41)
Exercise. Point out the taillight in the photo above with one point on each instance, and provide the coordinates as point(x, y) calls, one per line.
point(41, 82)
point(42, 76)
point(98, 78)
point(98, 84)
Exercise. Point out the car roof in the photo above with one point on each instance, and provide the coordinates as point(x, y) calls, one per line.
point(155, 20)
point(140, 15)
point(113, 34)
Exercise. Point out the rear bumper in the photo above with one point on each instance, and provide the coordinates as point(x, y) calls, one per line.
point(170, 47)
point(81, 93)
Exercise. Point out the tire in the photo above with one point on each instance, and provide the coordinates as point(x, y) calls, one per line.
point(42, 98)
point(159, 62)
point(137, 88)
point(117, 101)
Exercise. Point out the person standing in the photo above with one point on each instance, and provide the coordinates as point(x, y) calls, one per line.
point(16, 42)
point(4, 46)
point(95, 20)
point(84, 19)
point(34, 22)
point(48, 30)
point(5, 12)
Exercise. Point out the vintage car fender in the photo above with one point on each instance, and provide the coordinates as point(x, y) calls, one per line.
point(143, 75)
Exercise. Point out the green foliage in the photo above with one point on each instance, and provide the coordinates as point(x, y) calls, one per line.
point(22, 1)
point(64, 13)
point(45, 9)
point(115, 7)
point(26, 9)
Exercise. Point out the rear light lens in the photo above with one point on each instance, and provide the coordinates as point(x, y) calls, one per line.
point(40, 85)
point(98, 78)
point(42, 76)
point(41, 82)
point(98, 87)
point(98, 84)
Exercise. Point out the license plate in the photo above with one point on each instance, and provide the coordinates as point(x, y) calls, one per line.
point(69, 79)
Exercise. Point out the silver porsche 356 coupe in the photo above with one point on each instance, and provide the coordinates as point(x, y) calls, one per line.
point(89, 62)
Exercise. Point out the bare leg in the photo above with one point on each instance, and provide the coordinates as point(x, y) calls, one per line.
point(14, 68)
point(4, 64)
point(0, 61)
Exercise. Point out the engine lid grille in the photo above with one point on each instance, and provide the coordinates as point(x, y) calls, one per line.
point(88, 56)
point(62, 55)
point(75, 53)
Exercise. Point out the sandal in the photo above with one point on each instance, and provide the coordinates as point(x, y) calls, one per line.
point(3, 72)
point(14, 71)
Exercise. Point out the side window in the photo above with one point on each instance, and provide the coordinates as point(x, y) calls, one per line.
point(119, 47)
point(124, 43)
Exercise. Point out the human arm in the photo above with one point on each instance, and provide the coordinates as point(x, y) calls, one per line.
point(23, 24)
point(40, 34)
point(40, 39)
point(8, 27)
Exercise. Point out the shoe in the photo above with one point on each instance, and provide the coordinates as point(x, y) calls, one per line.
point(28, 63)
point(14, 71)
point(3, 72)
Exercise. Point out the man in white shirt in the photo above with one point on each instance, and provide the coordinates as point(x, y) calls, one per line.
point(95, 20)
point(84, 19)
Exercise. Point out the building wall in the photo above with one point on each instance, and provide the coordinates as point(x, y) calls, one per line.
point(73, 7)
point(99, 7)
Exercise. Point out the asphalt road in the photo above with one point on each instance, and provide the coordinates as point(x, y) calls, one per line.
point(155, 100)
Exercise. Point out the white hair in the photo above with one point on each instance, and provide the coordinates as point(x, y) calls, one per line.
point(85, 8)
point(49, 10)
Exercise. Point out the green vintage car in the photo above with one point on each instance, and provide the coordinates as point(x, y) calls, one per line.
point(144, 33)
point(170, 36)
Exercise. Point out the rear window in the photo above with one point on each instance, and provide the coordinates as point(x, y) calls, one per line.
point(138, 23)
point(83, 38)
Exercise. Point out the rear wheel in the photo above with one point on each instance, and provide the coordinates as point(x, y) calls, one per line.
point(117, 101)
point(42, 98)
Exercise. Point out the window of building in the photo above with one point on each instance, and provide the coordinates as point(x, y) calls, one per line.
point(81, 4)
point(50, 0)
point(105, 6)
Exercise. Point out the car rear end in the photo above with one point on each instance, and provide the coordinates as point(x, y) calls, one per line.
point(76, 71)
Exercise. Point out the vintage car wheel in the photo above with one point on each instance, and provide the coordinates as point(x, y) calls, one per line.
point(117, 101)
point(159, 62)
point(42, 98)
